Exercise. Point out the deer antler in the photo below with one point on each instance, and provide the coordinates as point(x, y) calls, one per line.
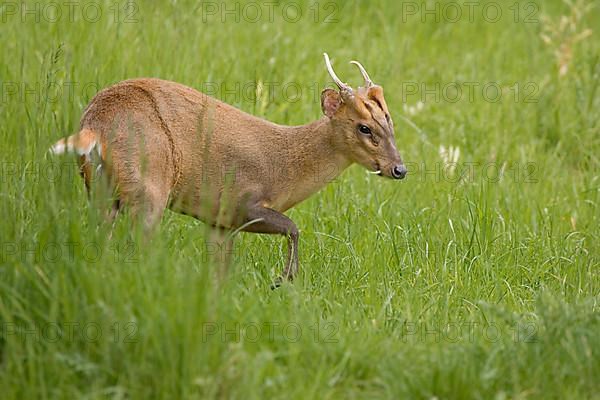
point(344, 88)
point(363, 71)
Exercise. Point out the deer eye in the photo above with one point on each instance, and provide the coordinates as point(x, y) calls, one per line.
point(365, 130)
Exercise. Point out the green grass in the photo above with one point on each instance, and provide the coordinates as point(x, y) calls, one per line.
point(483, 287)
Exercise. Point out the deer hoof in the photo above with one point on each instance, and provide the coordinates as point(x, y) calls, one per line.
point(277, 283)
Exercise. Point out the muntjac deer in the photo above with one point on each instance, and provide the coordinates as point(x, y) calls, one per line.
point(163, 144)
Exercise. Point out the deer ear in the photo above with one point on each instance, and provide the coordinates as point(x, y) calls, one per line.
point(375, 93)
point(331, 100)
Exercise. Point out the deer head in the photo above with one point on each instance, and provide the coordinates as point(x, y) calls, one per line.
point(363, 124)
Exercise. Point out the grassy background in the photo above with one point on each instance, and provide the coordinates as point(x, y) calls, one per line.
point(440, 286)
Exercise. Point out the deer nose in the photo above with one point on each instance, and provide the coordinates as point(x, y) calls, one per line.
point(399, 171)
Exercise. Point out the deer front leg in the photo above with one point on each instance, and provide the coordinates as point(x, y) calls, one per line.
point(266, 220)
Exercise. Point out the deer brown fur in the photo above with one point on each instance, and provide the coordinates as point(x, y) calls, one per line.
point(163, 144)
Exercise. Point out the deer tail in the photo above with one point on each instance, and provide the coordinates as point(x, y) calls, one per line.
point(81, 143)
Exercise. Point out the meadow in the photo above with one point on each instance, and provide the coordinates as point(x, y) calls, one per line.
point(476, 277)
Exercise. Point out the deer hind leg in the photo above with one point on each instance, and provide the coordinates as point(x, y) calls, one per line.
point(147, 203)
point(114, 210)
point(112, 216)
point(142, 181)
point(85, 170)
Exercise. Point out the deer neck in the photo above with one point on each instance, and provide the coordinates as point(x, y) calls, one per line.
point(313, 158)
point(319, 151)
